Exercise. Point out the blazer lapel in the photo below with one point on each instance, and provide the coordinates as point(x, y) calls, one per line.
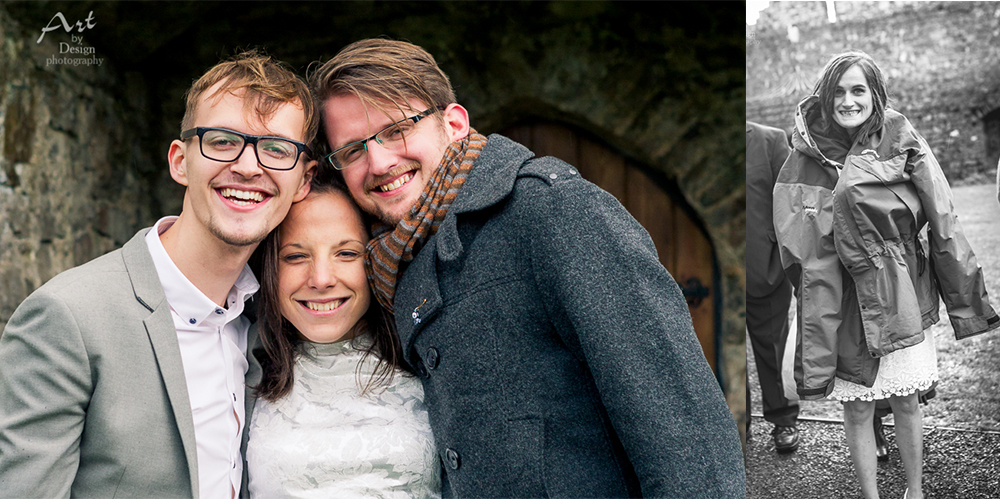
point(163, 338)
point(254, 353)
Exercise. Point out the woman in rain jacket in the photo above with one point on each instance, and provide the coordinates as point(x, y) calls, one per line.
point(849, 206)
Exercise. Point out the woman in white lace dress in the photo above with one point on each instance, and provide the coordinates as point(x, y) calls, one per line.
point(850, 203)
point(336, 415)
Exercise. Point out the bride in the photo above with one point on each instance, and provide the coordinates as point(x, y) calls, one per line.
point(337, 414)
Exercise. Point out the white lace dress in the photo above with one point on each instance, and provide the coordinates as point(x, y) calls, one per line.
point(900, 372)
point(325, 440)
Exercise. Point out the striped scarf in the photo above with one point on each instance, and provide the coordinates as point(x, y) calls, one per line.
point(392, 245)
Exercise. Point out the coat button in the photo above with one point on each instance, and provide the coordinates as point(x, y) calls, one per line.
point(432, 358)
point(454, 460)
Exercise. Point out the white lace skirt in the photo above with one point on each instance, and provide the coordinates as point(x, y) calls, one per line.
point(901, 372)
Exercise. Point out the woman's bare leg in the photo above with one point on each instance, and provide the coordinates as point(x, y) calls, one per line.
point(858, 416)
point(910, 439)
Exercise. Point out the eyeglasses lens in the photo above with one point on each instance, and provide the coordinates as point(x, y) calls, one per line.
point(276, 154)
point(391, 138)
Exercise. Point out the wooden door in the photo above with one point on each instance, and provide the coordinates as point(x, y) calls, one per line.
point(683, 248)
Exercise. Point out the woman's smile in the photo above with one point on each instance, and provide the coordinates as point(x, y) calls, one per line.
point(323, 306)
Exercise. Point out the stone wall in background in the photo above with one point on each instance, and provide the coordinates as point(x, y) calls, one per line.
point(659, 86)
point(942, 61)
point(70, 185)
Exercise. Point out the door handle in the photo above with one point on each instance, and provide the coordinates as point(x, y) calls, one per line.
point(694, 291)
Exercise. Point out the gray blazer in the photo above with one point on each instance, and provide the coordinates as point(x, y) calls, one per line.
point(93, 399)
point(557, 354)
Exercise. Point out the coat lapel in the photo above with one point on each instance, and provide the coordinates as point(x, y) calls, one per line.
point(163, 338)
point(418, 296)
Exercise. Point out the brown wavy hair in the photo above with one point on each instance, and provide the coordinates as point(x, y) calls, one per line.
point(281, 339)
point(267, 84)
point(380, 71)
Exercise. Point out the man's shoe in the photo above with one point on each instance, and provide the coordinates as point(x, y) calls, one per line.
point(881, 446)
point(786, 438)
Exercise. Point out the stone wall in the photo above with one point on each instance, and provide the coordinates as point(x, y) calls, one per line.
point(942, 61)
point(70, 177)
point(659, 86)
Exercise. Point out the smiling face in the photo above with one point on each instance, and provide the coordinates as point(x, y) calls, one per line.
point(322, 288)
point(238, 202)
point(387, 183)
point(852, 100)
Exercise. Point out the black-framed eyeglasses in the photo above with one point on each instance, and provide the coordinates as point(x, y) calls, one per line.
point(223, 144)
point(391, 137)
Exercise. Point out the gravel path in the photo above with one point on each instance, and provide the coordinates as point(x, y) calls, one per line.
point(957, 465)
point(961, 425)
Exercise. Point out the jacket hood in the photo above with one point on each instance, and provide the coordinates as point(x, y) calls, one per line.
point(829, 149)
point(808, 140)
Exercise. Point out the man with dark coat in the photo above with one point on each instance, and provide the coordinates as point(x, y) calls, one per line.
point(768, 290)
point(557, 354)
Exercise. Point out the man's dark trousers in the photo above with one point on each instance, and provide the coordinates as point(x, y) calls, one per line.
point(767, 323)
point(768, 289)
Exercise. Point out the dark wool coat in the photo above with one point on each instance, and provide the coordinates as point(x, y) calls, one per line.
point(557, 354)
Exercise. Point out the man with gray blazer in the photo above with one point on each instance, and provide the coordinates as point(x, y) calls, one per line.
point(125, 376)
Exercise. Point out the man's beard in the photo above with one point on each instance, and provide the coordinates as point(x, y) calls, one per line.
point(386, 218)
point(392, 219)
point(237, 240)
point(384, 215)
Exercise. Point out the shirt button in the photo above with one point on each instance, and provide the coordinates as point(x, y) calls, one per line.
point(454, 460)
point(192, 321)
point(219, 311)
point(432, 358)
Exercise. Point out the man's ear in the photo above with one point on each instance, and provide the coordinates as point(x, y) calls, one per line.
point(176, 159)
point(456, 121)
point(306, 181)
